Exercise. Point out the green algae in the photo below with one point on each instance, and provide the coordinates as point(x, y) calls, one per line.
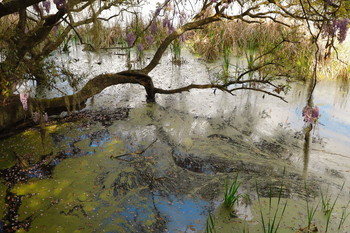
point(73, 200)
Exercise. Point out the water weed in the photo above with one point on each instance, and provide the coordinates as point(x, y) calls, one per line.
point(272, 224)
point(231, 195)
point(329, 213)
point(210, 227)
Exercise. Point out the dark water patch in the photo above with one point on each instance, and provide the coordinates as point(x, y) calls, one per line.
point(99, 138)
point(10, 221)
point(105, 117)
point(271, 147)
point(182, 214)
point(125, 182)
point(200, 164)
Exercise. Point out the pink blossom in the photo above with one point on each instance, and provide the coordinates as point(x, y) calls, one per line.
point(24, 100)
point(311, 114)
point(36, 117)
point(40, 117)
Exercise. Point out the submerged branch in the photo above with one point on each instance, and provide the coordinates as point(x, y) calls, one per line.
point(134, 153)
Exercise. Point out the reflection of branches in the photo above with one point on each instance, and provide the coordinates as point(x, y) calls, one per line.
point(134, 153)
point(224, 88)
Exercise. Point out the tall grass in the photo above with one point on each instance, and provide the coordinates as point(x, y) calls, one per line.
point(287, 48)
point(231, 195)
point(344, 215)
point(210, 226)
point(330, 211)
point(176, 51)
point(272, 223)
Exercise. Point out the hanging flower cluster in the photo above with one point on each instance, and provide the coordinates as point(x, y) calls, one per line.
point(311, 114)
point(338, 28)
point(24, 100)
point(40, 117)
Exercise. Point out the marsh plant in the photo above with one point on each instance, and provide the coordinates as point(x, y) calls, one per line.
point(176, 51)
point(273, 221)
point(344, 215)
point(231, 192)
point(311, 210)
point(226, 62)
point(331, 208)
point(210, 226)
point(326, 202)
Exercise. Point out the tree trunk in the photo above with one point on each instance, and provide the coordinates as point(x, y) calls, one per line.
point(12, 114)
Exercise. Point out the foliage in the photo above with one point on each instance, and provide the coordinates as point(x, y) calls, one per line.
point(271, 34)
point(231, 195)
point(210, 226)
point(273, 223)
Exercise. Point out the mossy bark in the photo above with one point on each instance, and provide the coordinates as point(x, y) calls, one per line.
point(12, 113)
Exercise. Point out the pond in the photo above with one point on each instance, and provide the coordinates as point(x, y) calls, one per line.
point(123, 165)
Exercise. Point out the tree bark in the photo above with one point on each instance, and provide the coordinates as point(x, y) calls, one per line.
point(12, 113)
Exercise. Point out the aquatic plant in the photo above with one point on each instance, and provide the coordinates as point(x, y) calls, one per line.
point(272, 225)
point(210, 227)
point(231, 195)
point(329, 213)
point(344, 215)
point(176, 50)
point(226, 63)
point(311, 210)
point(326, 201)
point(311, 114)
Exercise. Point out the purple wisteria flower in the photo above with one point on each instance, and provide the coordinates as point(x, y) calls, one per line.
point(40, 117)
point(140, 48)
point(60, 4)
point(154, 28)
point(337, 27)
point(149, 39)
point(47, 6)
point(157, 12)
point(166, 23)
point(342, 25)
point(24, 100)
point(311, 114)
point(130, 39)
point(36, 117)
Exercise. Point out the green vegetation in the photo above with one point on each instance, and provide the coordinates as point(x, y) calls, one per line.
point(210, 227)
point(274, 218)
point(231, 195)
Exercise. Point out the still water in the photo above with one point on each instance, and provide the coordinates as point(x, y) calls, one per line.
point(138, 167)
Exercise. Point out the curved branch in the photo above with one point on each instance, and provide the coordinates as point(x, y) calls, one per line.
point(178, 32)
point(259, 90)
point(10, 7)
point(190, 87)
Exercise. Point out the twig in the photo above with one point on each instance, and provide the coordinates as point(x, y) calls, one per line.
point(134, 153)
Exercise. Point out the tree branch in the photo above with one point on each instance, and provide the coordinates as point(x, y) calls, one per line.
point(12, 6)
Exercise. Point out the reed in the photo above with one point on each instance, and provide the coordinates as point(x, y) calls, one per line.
point(210, 226)
point(231, 195)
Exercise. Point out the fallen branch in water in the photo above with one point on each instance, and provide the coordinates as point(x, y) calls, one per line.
point(134, 153)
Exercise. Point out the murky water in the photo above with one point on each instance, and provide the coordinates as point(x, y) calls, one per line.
point(138, 167)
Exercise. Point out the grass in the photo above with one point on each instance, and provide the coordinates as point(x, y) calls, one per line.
point(231, 195)
point(176, 50)
point(329, 212)
point(311, 210)
point(326, 202)
point(210, 227)
point(344, 215)
point(273, 223)
point(226, 61)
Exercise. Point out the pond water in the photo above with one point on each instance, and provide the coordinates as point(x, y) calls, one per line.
point(123, 165)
